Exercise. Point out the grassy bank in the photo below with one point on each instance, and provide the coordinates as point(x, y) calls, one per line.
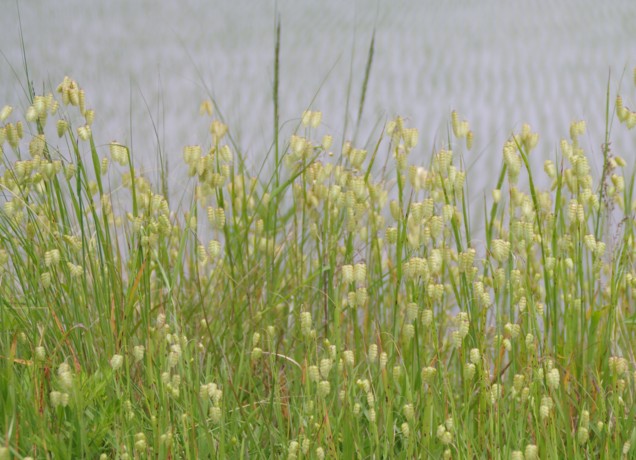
point(327, 310)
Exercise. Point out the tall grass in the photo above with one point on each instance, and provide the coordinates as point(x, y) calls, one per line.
point(327, 311)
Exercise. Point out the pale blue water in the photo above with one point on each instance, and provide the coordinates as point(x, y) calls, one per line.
point(499, 63)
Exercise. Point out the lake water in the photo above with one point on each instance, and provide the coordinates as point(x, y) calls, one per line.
point(499, 63)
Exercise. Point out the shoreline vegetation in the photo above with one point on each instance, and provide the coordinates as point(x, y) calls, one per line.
point(325, 311)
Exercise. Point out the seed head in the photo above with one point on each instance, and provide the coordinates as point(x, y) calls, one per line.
point(532, 452)
point(347, 274)
point(206, 107)
point(5, 112)
point(364, 385)
point(324, 388)
point(37, 146)
point(428, 373)
point(119, 153)
point(469, 140)
point(305, 323)
point(405, 429)
point(360, 273)
point(314, 373)
point(218, 130)
point(373, 352)
point(40, 353)
point(384, 359)
point(408, 332)
point(618, 365)
point(59, 399)
point(52, 257)
point(500, 250)
point(138, 352)
point(410, 136)
point(348, 357)
point(577, 129)
point(469, 371)
point(84, 132)
point(327, 141)
point(409, 412)
point(62, 127)
point(325, 367)
point(553, 379)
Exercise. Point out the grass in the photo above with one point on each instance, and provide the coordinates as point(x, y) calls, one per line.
point(326, 311)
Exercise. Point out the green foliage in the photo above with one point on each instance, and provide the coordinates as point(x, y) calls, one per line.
point(327, 311)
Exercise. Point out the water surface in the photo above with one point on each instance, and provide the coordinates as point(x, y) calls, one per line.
point(146, 65)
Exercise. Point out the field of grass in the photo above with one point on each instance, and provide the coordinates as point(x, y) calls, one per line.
point(343, 306)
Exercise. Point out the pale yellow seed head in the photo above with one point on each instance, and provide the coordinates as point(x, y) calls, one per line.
point(37, 146)
point(500, 249)
point(324, 388)
point(305, 323)
point(138, 352)
point(553, 379)
point(475, 356)
point(306, 118)
point(297, 144)
point(347, 274)
point(5, 112)
point(206, 108)
point(408, 411)
point(119, 153)
point(256, 354)
point(325, 367)
point(316, 118)
point(495, 393)
point(327, 141)
point(411, 136)
point(31, 114)
point(218, 131)
point(577, 129)
point(408, 332)
point(84, 132)
point(348, 357)
point(62, 127)
point(531, 452)
point(496, 195)
point(405, 429)
point(373, 352)
point(12, 135)
point(40, 353)
point(214, 249)
point(582, 435)
point(585, 419)
point(116, 362)
point(469, 371)
point(89, 116)
point(428, 373)
point(627, 447)
point(360, 273)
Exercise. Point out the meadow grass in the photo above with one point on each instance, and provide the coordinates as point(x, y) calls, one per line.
point(333, 309)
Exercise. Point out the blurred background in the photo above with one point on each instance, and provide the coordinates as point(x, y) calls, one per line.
point(146, 65)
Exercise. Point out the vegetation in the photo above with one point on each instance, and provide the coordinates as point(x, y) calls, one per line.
point(337, 308)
